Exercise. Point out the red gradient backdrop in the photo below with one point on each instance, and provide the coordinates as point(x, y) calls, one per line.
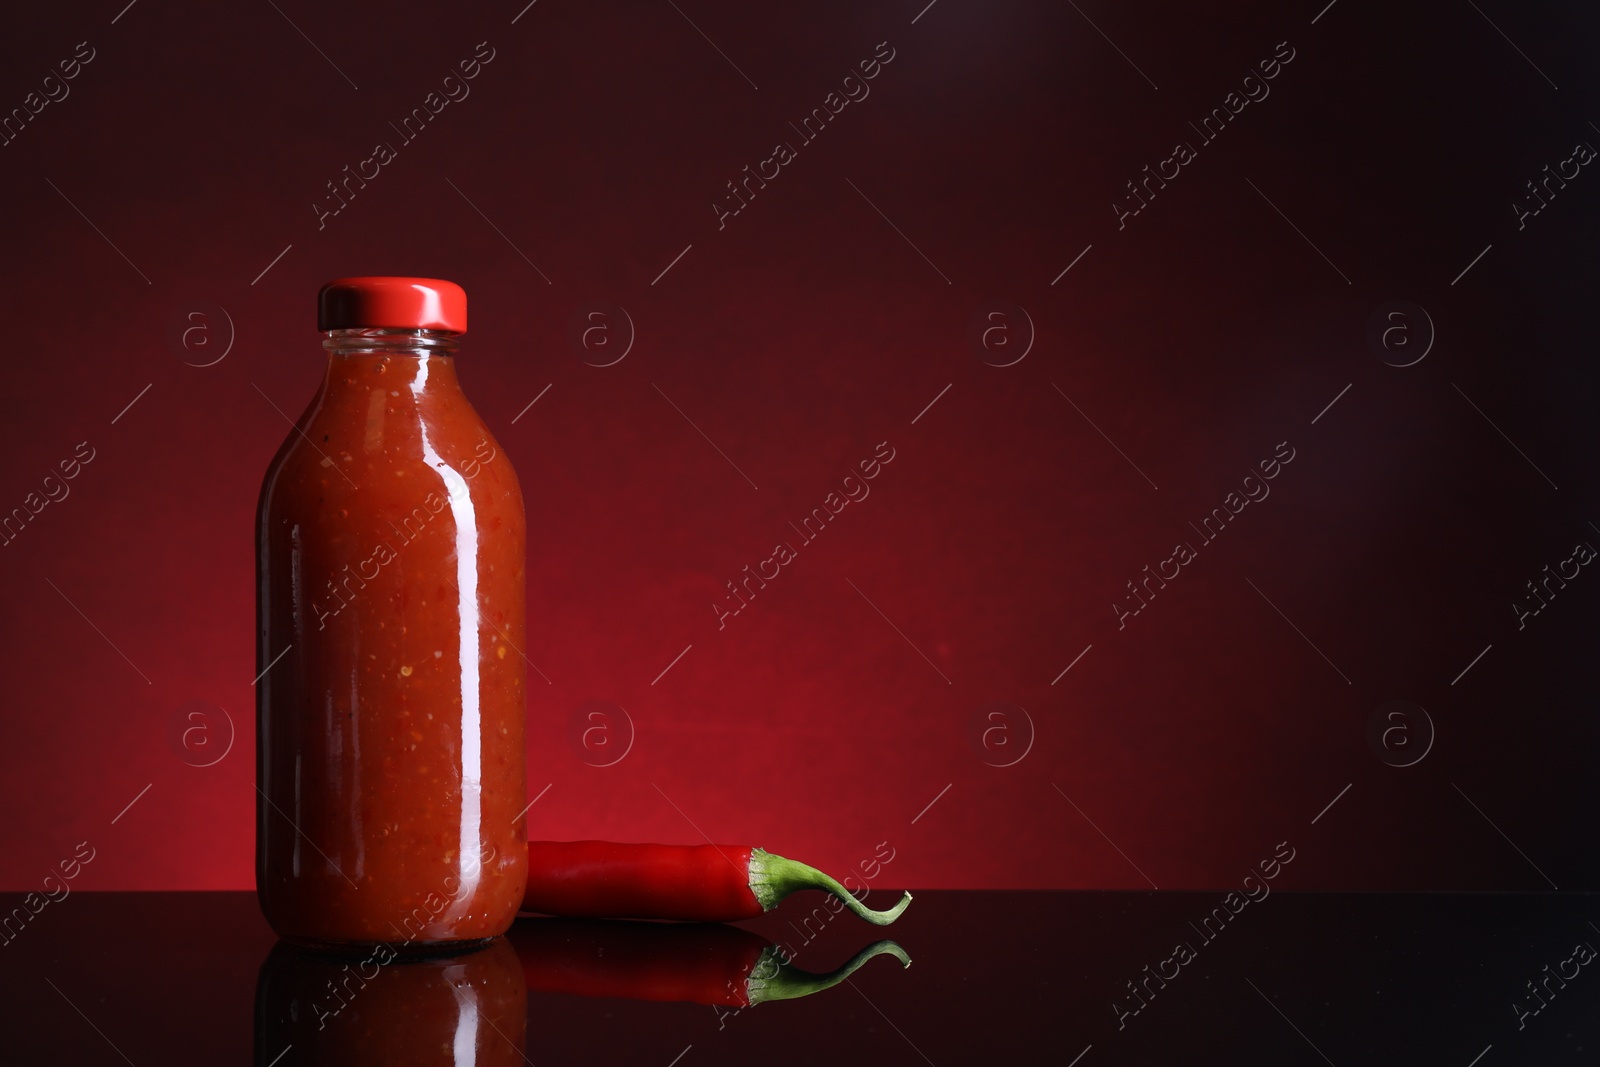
point(776, 350)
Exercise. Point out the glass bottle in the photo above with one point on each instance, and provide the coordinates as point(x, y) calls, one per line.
point(390, 578)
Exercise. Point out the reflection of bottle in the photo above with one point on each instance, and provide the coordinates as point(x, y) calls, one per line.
point(700, 963)
point(384, 1009)
point(390, 760)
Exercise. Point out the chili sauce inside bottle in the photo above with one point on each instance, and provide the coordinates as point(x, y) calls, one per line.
point(390, 579)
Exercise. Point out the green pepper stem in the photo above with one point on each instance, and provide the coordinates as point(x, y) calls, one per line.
point(773, 877)
point(787, 982)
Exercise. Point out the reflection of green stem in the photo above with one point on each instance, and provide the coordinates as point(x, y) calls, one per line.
point(773, 979)
point(773, 877)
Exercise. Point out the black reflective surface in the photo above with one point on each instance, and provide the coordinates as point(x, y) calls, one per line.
point(996, 977)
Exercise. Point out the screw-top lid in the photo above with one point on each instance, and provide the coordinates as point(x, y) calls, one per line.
point(397, 303)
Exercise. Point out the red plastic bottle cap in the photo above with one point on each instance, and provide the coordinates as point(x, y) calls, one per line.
point(396, 303)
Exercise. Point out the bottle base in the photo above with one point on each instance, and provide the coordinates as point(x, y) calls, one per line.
point(398, 951)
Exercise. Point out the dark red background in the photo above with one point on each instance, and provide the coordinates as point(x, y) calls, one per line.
point(797, 338)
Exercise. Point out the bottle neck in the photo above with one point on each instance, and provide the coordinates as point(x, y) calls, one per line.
point(421, 361)
point(389, 341)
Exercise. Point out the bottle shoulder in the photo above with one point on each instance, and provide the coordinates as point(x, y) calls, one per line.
point(380, 444)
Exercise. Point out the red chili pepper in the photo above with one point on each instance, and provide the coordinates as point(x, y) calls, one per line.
point(701, 963)
point(694, 883)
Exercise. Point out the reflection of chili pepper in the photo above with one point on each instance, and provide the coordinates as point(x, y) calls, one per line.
point(695, 883)
point(700, 963)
